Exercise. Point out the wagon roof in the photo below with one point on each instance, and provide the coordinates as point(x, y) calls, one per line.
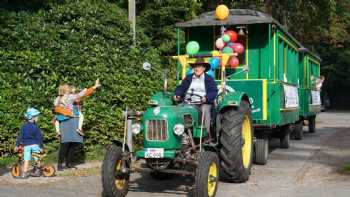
point(238, 17)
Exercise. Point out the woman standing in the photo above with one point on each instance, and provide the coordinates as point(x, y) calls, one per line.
point(69, 125)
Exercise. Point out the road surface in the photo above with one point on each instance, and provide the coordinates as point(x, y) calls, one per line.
point(310, 167)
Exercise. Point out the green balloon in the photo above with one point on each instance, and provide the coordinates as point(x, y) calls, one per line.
point(227, 50)
point(192, 47)
point(226, 38)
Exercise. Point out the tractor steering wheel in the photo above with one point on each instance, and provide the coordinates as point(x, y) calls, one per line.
point(188, 98)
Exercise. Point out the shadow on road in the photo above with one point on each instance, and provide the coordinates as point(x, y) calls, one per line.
point(332, 151)
point(3, 170)
point(175, 184)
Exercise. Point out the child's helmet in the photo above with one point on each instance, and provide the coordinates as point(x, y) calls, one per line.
point(31, 113)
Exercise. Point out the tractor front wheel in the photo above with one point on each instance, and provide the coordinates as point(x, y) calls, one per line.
point(236, 138)
point(207, 174)
point(114, 182)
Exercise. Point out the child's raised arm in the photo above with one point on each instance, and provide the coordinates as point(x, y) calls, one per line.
point(87, 91)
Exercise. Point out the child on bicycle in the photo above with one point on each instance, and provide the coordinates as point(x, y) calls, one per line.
point(31, 138)
point(67, 104)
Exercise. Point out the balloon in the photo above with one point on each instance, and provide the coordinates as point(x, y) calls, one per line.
point(221, 12)
point(233, 35)
point(226, 38)
point(214, 62)
point(210, 73)
point(230, 44)
point(215, 53)
point(238, 48)
point(189, 71)
point(192, 47)
point(219, 43)
point(227, 50)
point(234, 62)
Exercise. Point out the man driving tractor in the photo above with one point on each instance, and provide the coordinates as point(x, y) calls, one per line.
point(199, 89)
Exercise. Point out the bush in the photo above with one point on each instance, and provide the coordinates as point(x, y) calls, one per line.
point(74, 42)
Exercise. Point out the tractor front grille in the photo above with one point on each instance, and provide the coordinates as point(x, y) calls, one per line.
point(157, 130)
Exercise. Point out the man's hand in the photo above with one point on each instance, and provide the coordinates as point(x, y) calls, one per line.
point(176, 98)
point(204, 99)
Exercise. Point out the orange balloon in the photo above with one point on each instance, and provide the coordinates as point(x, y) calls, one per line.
point(221, 12)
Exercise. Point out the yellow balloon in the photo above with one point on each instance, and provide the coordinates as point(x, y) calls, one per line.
point(221, 12)
point(215, 53)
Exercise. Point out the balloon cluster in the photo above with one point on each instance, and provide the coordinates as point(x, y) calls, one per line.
point(192, 48)
point(227, 43)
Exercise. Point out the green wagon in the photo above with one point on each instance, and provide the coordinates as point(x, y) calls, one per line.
point(280, 82)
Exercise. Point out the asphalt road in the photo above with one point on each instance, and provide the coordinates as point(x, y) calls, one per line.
point(310, 167)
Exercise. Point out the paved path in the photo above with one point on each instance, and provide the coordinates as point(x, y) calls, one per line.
point(309, 168)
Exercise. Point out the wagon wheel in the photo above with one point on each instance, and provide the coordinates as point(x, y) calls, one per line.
point(261, 150)
point(16, 170)
point(298, 130)
point(312, 124)
point(48, 170)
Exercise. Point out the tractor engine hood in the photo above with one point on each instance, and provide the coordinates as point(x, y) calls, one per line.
point(158, 125)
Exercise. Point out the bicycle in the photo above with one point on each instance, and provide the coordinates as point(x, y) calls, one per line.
point(47, 170)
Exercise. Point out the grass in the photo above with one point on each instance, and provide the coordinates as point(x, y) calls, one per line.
point(346, 169)
point(7, 161)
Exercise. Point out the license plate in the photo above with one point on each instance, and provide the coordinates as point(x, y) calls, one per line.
point(154, 152)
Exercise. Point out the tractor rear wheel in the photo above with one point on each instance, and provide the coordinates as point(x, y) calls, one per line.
point(236, 138)
point(298, 130)
point(207, 175)
point(261, 150)
point(312, 124)
point(114, 182)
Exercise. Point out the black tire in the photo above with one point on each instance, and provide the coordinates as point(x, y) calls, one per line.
point(231, 140)
point(205, 161)
point(261, 150)
point(298, 130)
point(285, 141)
point(109, 176)
point(312, 124)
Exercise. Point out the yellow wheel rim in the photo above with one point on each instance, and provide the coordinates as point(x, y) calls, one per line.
point(119, 183)
point(212, 178)
point(247, 140)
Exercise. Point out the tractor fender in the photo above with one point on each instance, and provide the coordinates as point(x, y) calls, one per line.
point(232, 100)
point(120, 144)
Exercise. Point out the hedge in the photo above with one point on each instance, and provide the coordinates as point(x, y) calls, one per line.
point(73, 42)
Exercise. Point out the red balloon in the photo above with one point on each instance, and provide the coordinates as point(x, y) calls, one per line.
point(233, 35)
point(234, 62)
point(238, 48)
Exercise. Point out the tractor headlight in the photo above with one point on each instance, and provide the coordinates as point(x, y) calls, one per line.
point(135, 128)
point(179, 129)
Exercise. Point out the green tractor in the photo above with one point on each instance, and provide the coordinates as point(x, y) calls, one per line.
point(176, 142)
